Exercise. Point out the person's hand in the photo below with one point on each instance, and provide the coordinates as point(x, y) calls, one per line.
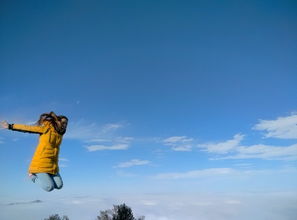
point(4, 124)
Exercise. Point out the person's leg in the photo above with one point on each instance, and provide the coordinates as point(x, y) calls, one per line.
point(45, 181)
point(57, 181)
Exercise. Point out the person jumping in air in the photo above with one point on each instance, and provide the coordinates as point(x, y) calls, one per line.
point(44, 168)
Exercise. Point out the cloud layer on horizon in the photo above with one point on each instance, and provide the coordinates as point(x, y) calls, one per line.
point(172, 206)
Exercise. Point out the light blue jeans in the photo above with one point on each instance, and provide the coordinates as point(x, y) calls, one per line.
point(48, 181)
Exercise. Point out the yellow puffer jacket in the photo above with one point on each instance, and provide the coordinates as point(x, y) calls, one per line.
point(45, 159)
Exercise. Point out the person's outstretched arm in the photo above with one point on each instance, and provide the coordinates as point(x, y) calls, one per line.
point(24, 128)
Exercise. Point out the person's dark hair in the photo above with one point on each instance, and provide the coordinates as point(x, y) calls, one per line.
point(62, 128)
point(54, 120)
point(44, 117)
point(60, 117)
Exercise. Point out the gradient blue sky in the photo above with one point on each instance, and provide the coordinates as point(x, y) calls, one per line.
point(169, 97)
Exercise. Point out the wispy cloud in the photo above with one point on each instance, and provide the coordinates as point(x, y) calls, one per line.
point(267, 152)
point(117, 143)
point(235, 150)
point(282, 127)
point(223, 147)
point(179, 143)
point(223, 172)
point(81, 130)
point(244, 165)
point(63, 159)
point(195, 173)
point(131, 163)
point(99, 137)
point(177, 139)
point(111, 127)
point(182, 148)
point(24, 203)
point(124, 140)
point(92, 148)
point(84, 131)
point(174, 206)
point(63, 162)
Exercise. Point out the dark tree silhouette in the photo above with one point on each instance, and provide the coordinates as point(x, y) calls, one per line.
point(119, 212)
point(105, 215)
point(56, 217)
point(122, 212)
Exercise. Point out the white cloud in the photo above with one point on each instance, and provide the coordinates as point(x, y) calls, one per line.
point(125, 140)
point(134, 162)
point(63, 159)
point(182, 148)
point(179, 143)
point(174, 206)
point(98, 137)
point(265, 152)
point(224, 172)
point(63, 162)
point(244, 165)
point(77, 202)
point(63, 165)
point(117, 144)
point(233, 202)
point(111, 127)
point(235, 150)
point(82, 130)
point(98, 140)
point(176, 139)
point(149, 203)
point(282, 127)
point(122, 140)
point(120, 143)
point(223, 147)
point(195, 173)
point(92, 148)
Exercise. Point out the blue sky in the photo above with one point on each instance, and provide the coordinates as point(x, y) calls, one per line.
point(164, 98)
